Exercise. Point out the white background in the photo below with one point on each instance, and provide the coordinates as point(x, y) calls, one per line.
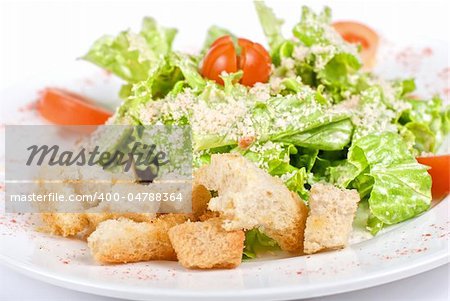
point(37, 38)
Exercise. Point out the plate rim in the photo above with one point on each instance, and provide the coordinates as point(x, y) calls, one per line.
point(420, 265)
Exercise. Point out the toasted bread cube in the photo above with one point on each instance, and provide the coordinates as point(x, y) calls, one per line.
point(200, 200)
point(106, 210)
point(248, 197)
point(65, 224)
point(124, 240)
point(206, 245)
point(329, 224)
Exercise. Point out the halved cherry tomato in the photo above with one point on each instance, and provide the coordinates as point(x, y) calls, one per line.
point(67, 108)
point(357, 33)
point(220, 57)
point(440, 174)
point(251, 58)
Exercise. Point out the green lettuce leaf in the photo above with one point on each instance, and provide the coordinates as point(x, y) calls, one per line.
point(372, 115)
point(146, 59)
point(312, 28)
point(445, 116)
point(188, 67)
point(343, 173)
point(376, 149)
point(374, 225)
point(400, 191)
point(256, 243)
point(428, 122)
point(397, 187)
point(271, 25)
point(337, 70)
point(424, 138)
point(275, 158)
point(116, 55)
point(331, 136)
point(215, 32)
point(280, 118)
point(133, 56)
point(305, 158)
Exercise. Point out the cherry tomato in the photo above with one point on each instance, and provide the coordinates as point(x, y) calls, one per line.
point(250, 57)
point(440, 174)
point(357, 33)
point(255, 62)
point(67, 108)
point(220, 57)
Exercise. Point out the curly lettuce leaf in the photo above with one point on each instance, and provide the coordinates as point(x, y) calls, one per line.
point(256, 243)
point(271, 25)
point(312, 27)
point(374, 225)
point(343, 173)
point(189, 69)
point(333, 167)
point(372, 115)
point(336, 72)
point(445, 116)
point(428, 122)
point(400, 191)
point(306, 157)
point(215, 32)
point(280, 118)
point(424, 140)
point(133, 56)
point(159, 39)
point(147, 59)
point(275, 158)
point(115, 55)
point(376, 149)
point(333, 58)
point(295, 181)
point(398, 188)
point(331, 136)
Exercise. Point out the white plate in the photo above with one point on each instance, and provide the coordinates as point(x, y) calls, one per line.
point(410, 248)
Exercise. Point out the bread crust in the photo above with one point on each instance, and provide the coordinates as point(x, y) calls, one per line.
point(206, 245)
point(248, 197)
point(124, 240)
point(329, 224)
point(65, 224)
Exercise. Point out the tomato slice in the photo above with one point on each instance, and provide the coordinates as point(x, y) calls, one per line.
point(358, 33)
point(253, 60)
point(440, 174)
point(67, 108)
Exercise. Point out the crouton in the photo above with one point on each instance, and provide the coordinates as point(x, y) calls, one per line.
point(64, 224)
point(200, 199)
point(124, 240)
point(96, 218)
point(208, 215)
point(206, 245)
point(329, 224)
point(60, 218)
point(248, 197)
point(109, 210)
